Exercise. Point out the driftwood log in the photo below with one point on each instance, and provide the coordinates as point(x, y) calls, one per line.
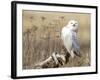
point(54, 61)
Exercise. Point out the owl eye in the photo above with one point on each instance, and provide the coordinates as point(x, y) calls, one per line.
point(75, 23)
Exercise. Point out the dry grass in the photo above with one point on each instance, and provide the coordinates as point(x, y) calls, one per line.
point(41, 37)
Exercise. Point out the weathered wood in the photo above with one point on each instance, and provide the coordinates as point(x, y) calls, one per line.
point(55, 60)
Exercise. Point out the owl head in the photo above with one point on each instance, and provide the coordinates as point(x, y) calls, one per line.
point(73, 25)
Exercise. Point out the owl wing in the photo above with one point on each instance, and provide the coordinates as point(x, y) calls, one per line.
point(75, 43)
point(67, 39)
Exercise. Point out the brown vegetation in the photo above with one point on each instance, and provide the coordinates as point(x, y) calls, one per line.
point(41, 37)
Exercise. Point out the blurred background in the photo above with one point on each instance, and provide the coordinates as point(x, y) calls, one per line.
point(41, 36)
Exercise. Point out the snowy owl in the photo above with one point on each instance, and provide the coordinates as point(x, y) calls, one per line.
point(70, 39)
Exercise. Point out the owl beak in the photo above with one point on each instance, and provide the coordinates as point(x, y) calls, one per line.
point(74, 25)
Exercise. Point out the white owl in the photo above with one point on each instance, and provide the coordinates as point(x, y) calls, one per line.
point(70, 39)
